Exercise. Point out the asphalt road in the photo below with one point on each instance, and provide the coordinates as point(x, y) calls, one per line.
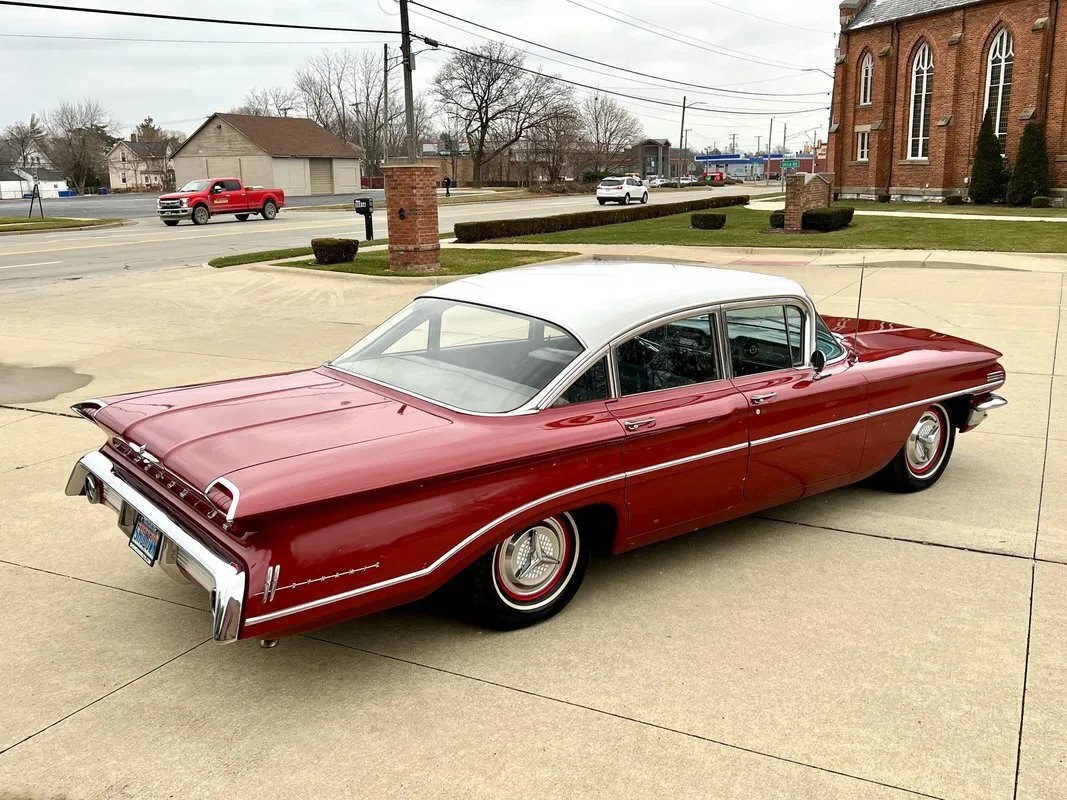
point(146, 244)
point(143, 205)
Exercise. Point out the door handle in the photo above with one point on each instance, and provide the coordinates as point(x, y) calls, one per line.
point(637, 424)
point(760, 399)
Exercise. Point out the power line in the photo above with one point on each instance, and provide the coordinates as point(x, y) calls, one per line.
point(651, 100)
point(764, 19)
point(720, 51)
point(180, 41)
point(176, 18)
point(615, 67)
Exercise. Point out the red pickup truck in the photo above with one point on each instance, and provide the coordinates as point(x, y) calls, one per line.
point(201, 199)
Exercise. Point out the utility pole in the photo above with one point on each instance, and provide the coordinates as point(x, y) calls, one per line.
point(767, 170)
point(733, 142)
point(409, 67)
point(681, 135)
point(758, 140)
point(385, 92)
point(785, 127)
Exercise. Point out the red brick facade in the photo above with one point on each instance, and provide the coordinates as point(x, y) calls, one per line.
point(959, 40)
point(804, 192)
point(411, 200)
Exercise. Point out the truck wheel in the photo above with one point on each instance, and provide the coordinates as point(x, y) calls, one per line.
point(170, 223)
point(270, 210)
point(241, 217)
point(201, 215)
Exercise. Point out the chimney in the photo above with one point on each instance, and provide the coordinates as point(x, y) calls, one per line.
point(133, 137)
point(849, 10)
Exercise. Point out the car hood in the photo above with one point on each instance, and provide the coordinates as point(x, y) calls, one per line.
point(204, 432)
point(180, 195)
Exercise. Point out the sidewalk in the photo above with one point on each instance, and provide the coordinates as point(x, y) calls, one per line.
point(795, 257)
point(778, 205)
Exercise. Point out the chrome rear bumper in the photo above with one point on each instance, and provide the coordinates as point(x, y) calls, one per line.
point(182, 555)
point(981, 409)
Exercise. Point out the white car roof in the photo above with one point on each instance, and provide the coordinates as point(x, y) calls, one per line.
point(597, 301)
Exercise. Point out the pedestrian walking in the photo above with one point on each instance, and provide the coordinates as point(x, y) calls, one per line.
point(448, 186)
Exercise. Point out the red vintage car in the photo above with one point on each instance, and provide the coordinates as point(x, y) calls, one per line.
point(499, 428)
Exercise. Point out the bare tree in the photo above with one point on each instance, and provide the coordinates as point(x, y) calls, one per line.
point(274, 101)
point(79, 136)
point(553, 143)
point(609, 131)
point(324, 84)
point(496, 100)
point(23, 140)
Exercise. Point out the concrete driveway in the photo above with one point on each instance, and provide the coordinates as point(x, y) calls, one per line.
point(853, 645)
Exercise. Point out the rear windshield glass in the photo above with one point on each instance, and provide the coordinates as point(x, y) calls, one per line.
point(611, 183)
point(469, 357)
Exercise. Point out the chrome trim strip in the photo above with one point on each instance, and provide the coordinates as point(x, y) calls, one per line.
point(231, 512)
point(228, 594)
point(983, 388)
point(813, 429)
point(323, 601)
point(995, 401)
point(687, 460)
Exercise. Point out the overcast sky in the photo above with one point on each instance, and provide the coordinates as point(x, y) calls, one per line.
point(180, 83)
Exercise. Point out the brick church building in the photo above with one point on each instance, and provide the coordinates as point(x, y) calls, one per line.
point(915, 77)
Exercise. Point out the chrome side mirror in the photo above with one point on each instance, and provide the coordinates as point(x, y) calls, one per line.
point(818, 362)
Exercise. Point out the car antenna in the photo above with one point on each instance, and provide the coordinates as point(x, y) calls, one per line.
point(859, 300)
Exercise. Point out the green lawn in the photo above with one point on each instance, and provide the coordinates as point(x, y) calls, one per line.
point(291, 252)
point(454, 261)
point(746, 228)
point(19, 224)
point(941, 208)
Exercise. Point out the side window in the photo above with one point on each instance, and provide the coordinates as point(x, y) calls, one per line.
point(826, 342)
point(218, 186)
point(231, 186)
point(679, 353)
point(765, 338)
point(592, 385)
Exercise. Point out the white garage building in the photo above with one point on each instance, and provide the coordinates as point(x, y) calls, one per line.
point(293, 153)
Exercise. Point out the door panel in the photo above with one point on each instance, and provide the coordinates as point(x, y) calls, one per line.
point(786, 457)
point(321, 170)
point(688, 462)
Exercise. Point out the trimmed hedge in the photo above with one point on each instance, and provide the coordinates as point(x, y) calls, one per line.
point(1041, 202)
point(329, 250)
point(954, 200)
point(777, 219)
point(468, 232)
point(825, 220)
point(708, 220)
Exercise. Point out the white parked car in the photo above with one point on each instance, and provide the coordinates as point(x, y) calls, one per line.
point(621, 190)
point(687, 180)
point(657, 182)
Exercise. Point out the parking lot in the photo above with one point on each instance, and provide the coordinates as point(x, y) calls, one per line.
point(851, 645)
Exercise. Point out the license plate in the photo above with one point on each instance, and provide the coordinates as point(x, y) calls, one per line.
point(146, 540)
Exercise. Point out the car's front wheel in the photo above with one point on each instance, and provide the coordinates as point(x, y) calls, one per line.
point(170, 223)
point(925, 455)
point(531, 575)
point(201, 215)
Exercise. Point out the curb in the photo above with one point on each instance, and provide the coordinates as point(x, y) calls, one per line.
point(121, 223)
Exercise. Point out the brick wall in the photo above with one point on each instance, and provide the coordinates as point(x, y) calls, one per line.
point(411, 201)
point(804, 192)
point(959, 41)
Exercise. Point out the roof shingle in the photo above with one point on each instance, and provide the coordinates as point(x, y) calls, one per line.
point(293, 137)
point(879, 12)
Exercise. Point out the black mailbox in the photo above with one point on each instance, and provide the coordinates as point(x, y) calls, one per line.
point(365, 207)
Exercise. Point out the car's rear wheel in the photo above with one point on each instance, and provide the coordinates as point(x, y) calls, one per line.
point(626, 200)
point(644, 198)
point(601, 201)
point(170, 223)
point(241, 217)
point(201, 215)
point(270, 210)
point(531, 575)
point(925, 455)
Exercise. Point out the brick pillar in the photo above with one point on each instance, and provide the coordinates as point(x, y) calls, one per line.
point(803, 192)
point(411, 200)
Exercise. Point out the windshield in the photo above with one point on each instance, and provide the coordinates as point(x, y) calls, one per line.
point(195, 186)
point(469, 357)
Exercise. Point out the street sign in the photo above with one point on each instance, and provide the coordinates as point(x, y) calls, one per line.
point(790, 164)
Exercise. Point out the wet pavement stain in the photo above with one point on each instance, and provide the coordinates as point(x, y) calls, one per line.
point(20, 384)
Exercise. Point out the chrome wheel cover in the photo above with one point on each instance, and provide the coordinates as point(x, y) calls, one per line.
point(926, 443)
